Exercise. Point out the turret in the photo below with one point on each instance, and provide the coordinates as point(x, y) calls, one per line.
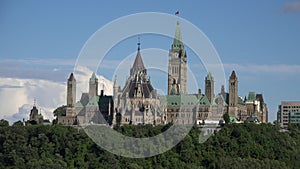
point(233, 90)
point(71, 91)
point(115, 92)
point(93, 86)
point(233, 95)
point(209, 87)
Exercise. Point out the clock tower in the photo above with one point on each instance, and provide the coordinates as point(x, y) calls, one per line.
point(177, 65)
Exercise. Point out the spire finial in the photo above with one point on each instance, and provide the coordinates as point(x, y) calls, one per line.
point(34, 102)
point(139, 43)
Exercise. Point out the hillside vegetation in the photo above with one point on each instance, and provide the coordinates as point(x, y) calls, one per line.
point(234, 146)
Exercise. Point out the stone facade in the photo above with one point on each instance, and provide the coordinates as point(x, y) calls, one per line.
point(256, 107)
point(70, 116)
point(177, 65)
point(91, 108)
point(138, 102)
point(35, 116)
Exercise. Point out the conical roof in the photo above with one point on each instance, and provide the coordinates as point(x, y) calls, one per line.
point(177, 42)
point(251, 96)
point(71, 78)
point(93, 77)
point(116, 82)
point(138, 64)
point(209, 76)
point(233, 75)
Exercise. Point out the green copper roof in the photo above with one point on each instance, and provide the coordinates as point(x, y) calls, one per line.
point(93, 76)
point(233, 119)
point(173, 90)
point(209, 76)
point(251, 96)
point(241, 101)
point(179, 100)
point(177, 42)
point(218, 98)
point(93, 102)
point(78, 104)
point(203, 101)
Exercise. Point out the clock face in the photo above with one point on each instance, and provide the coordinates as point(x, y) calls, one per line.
point(176, 55)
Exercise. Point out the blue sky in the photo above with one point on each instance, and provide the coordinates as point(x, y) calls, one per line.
point(259, 39)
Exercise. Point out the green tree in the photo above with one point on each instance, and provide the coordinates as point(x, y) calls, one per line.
point(60, 111)
point(4, 123)
point(226, 118)
point(18, 123)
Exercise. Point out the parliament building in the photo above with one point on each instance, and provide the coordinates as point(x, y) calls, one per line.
point(138, 102)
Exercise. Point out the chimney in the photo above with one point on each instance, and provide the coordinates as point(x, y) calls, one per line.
point(102, 91)
point(222, 89)
point(199, 93)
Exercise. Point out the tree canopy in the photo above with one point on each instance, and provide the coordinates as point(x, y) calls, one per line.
point(234, 146)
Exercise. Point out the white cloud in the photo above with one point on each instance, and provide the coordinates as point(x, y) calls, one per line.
point(291, 7)
point(82, 76)
point(17, 95)
point(14, 101)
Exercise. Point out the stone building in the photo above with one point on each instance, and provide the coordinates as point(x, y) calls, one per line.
point(138, 102)
point(91, 108)
point(256, 107)
point(35, 116)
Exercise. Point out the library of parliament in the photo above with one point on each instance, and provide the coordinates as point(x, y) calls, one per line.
point(138, 102)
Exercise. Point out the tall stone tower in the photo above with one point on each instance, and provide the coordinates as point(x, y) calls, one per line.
point(71, 91)
point(209, 87)
point(71, 96)
point(93, 86)
point(233, 94)
point(116, 102)
point(116, 92)
point(177, 65)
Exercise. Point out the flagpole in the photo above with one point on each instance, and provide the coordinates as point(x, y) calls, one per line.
point(177, 14)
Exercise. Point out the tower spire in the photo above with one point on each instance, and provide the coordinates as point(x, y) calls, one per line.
point(34, 102)
point(138, 65)
point(177, 42)
point(139, 43)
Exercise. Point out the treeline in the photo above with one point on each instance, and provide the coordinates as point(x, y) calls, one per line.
point(234, 146)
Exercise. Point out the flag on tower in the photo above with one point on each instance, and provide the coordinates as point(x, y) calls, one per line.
point(177, 13)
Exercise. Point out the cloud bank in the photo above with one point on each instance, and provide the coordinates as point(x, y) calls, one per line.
point(17, 95)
